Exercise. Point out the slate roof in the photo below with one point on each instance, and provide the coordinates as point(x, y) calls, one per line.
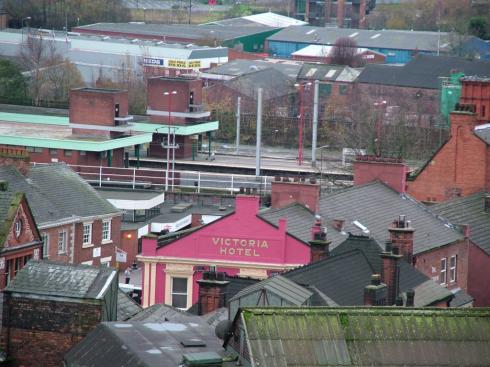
point(9, 202)
point(273, 83)
point(46, 278)
point(375, 206)
point(55, 193)
point(469, 210)
point(483, 132)
point(241, 67)
point(367, 336)
point(148, 344)
point(423, 71)
point(160, 312)
point(324, 72)
point(343, 276)
point(385, 39)
point(126, 307)
point(67, 190)
point(281, 287)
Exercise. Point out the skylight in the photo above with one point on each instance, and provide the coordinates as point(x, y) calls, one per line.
point(376, 36)
point(311, 72)
point(330, 73)
point(312, 31)
point(354, 34)
point(362, 227)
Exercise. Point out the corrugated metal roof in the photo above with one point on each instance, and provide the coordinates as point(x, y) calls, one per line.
point(281, 337)
point(281, 287)
point(385, 39)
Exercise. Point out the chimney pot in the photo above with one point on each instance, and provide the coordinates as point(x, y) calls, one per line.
point(410, 298)
point(338, 224)
point(376, 279)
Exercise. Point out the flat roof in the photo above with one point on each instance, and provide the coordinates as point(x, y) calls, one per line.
point(57, 133)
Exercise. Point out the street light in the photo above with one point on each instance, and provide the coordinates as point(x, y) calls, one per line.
point(301, 119)
point(169, 122)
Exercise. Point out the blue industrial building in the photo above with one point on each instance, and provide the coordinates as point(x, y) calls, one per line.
point(398, 46)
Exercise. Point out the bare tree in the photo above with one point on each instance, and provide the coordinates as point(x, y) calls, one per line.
point(345, 52)
point(50, 75)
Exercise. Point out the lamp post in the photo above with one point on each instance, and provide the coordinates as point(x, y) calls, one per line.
point(169, 122)
point(301, 119)
point(378, 105)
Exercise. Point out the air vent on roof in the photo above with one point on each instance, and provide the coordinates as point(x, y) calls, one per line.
point(188, 343)
point(253, 67)
point(135, 40)
point(160, 43)
point(376, 36)
point(74, 34)
point(182, 207)
point(105, 38)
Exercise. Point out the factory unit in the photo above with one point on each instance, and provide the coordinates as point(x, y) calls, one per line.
point(398, 46)
point(110, 57)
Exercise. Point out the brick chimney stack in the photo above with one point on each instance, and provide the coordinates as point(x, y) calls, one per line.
point(17, 157)
point(376, 292)
point(410, 298)
point(340, 13)
point(390, 273)
point(286, 191)
point(318, 244)
point(401, 237)
point(391, 171)
point(212, 293)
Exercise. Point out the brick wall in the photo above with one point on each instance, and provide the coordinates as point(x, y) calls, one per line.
point(40, 332)
point(429, 263)
point(285, 193)
point(479, 276)
point(180, 101)
point(85, 253)
point(129, 243)
point(53, 234)
point(459, 168)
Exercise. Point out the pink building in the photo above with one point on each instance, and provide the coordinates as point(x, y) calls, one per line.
point(240, 243)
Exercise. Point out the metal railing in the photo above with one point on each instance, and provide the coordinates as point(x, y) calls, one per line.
point(183, 181)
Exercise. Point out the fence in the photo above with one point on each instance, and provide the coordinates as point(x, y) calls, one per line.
point(187, 181)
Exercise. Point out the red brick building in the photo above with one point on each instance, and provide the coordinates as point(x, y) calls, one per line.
point(436, 247)
point(176, 102)
point(76, 224)
point(50, 307)
point(461, 166)
point(96, 132)
point(19, 238)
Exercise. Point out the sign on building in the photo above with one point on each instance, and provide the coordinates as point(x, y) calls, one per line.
point(151, 61)
point(121, 255)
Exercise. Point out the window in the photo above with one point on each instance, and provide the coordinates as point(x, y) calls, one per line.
point(325, 89)
point(452, 268)
point(68, 153)
point(106, 230)
point(45, 239)
point(87, 233)
point(34, 149)
point(62, 242)
point(18, 264)
point(179, 292)
point(18, 228)
point(343, 89)
point(443, 274)
point(53, 152)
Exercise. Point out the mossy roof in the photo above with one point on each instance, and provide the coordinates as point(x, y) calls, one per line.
point(375, 336)
point(9, 203)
